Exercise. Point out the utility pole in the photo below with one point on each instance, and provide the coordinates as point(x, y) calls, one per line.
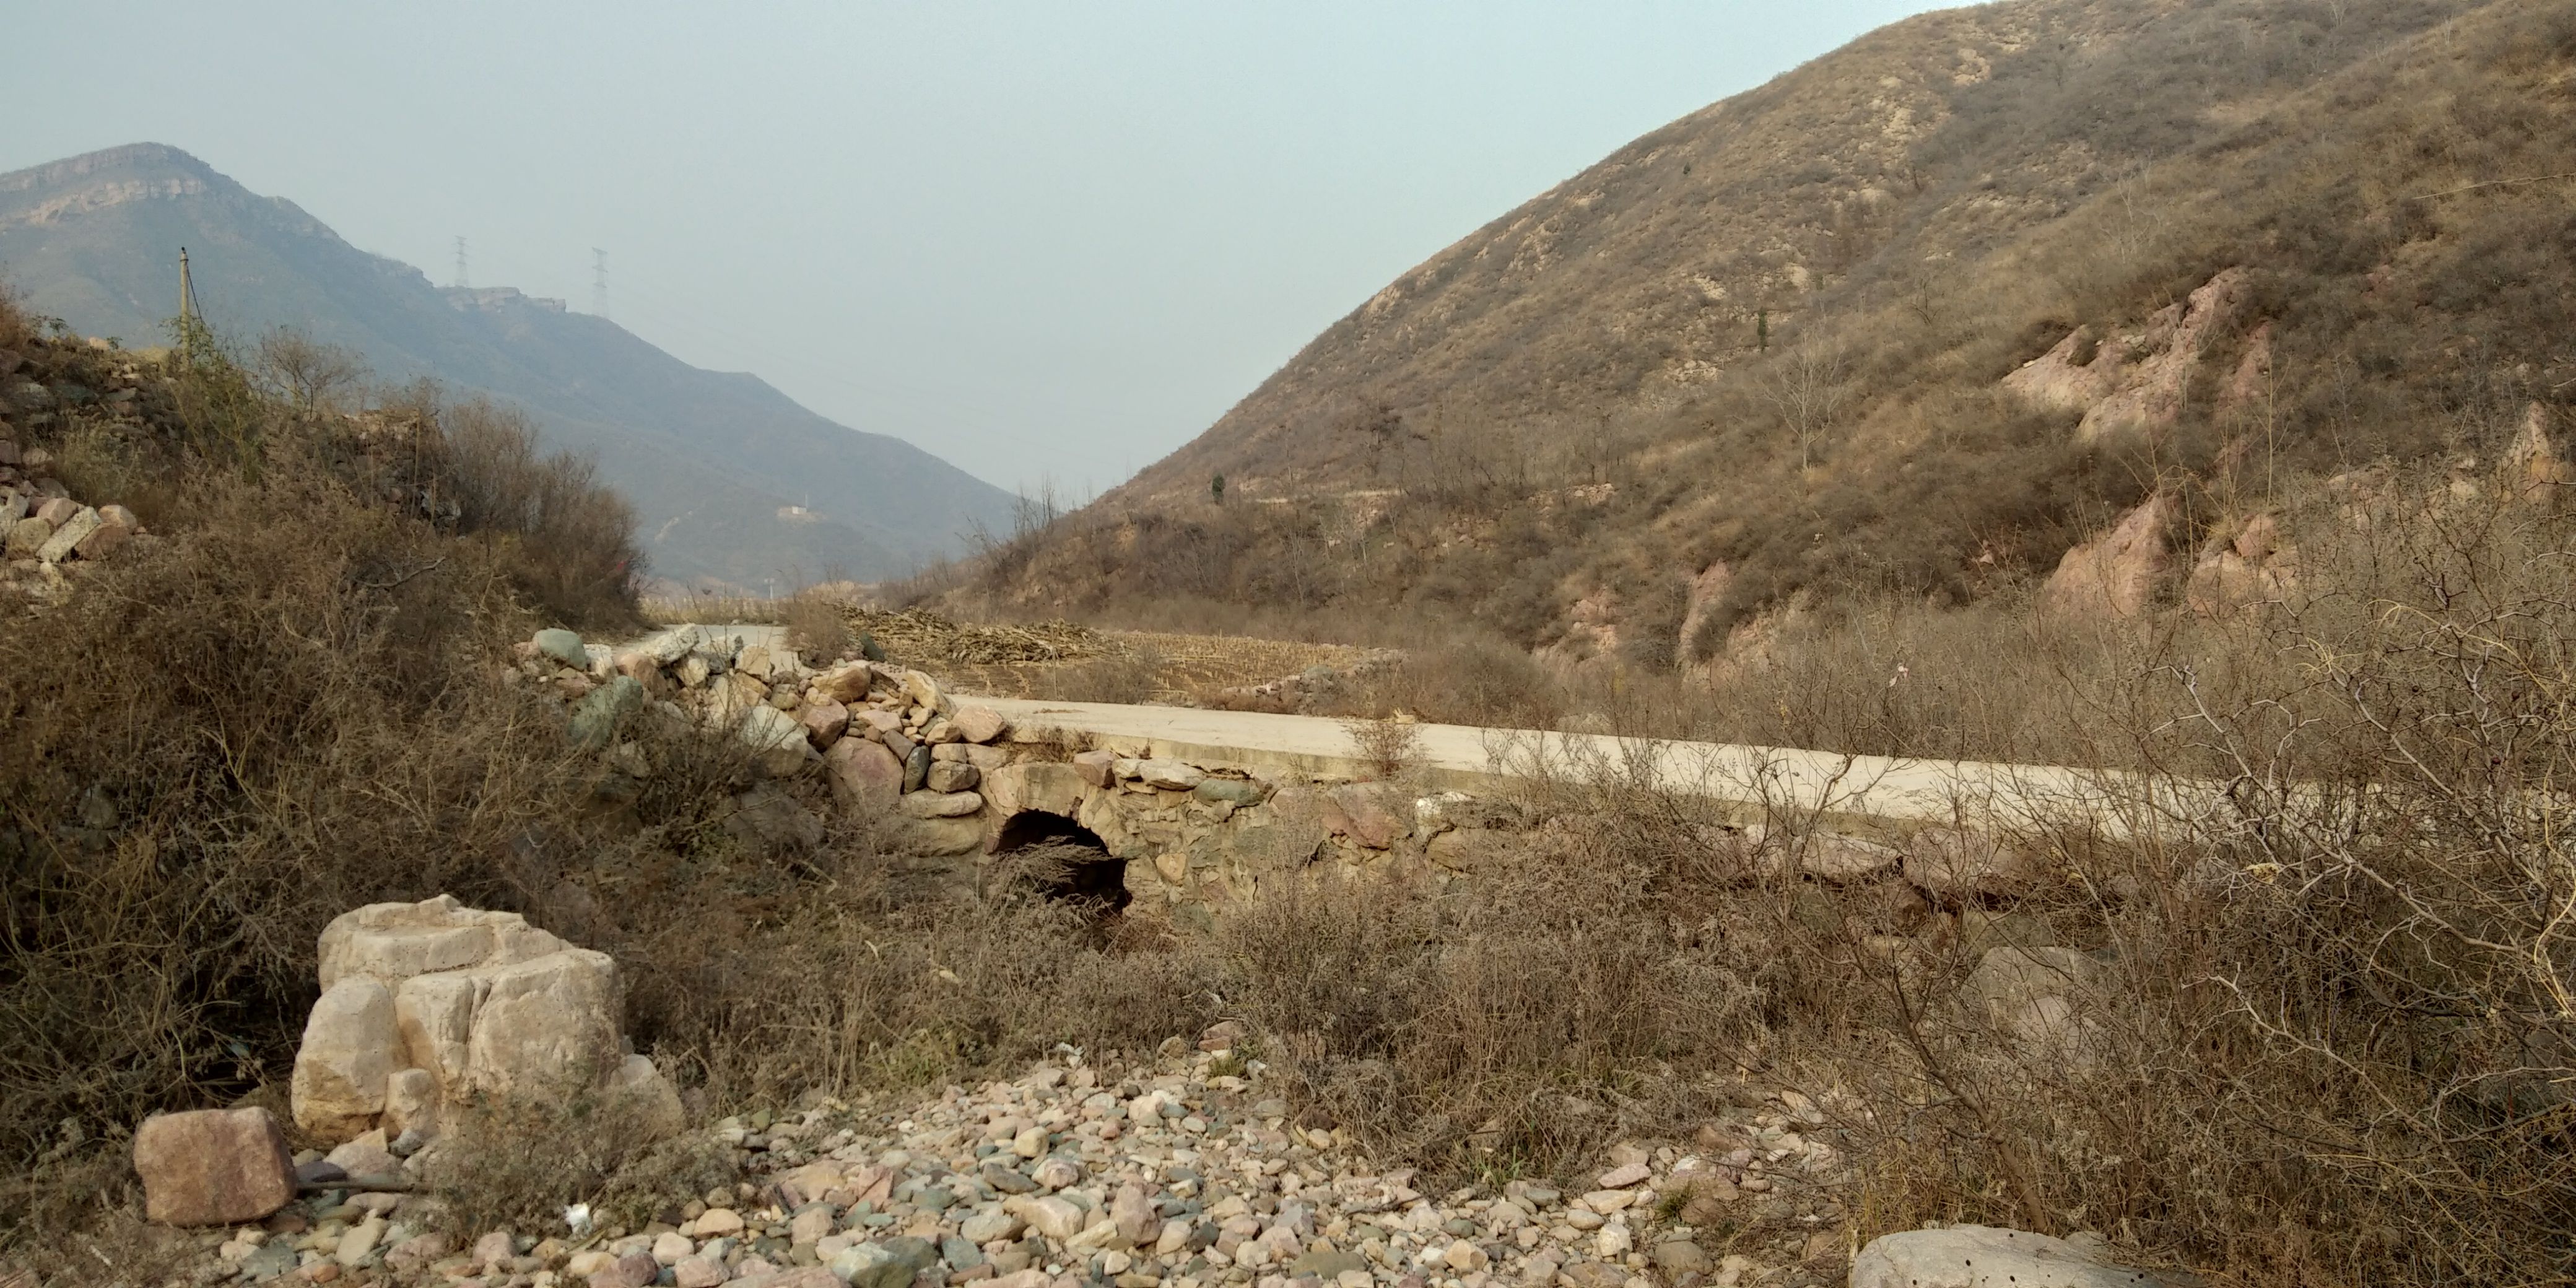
point(598, 282)
point(460, 261)
point(187, 308)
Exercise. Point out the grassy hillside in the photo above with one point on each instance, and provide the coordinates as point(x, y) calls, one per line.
point(709, 458)
point(1755, 364)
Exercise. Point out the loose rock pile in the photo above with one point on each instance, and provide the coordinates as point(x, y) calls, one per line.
point(1187, 1170)
point(46, 534)
point(423, 1005)
point(880, 732)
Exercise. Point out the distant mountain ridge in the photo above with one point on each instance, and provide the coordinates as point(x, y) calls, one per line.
point(736, 484)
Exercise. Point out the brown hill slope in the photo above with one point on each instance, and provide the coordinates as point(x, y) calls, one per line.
point(1639, 280)
point(1763, 351)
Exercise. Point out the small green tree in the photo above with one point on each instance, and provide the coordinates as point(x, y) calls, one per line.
point(218, 407)
point(1216, 489)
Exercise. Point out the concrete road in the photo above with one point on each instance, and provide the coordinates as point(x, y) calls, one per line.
point(1752, 781)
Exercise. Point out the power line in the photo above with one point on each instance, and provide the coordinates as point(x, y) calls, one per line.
point(667, 313)
point(913, 404)
point(460, 261)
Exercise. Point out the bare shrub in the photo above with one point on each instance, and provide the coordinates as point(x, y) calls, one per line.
point(97, 459)
point(2316, 996)
point(16, 329)
point(296, 736)
point(572, 538)
point(78, 1219)
point(517, 1162)
point(308, 375)
point(1493, 1030)
point(817, 628)
point(901, 987)
point(1387, 745)
point(1052, 870)
point(705, 606)
point(1898, 677)
point(1807, 386)
point(306, 722)
point(2313, 1023)
point(1466, 678)
point(220, 413)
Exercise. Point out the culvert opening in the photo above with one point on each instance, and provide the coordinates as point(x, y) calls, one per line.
point(1057, 858)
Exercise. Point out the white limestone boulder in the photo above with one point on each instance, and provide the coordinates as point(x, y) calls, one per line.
point(424, 1003)
point(395, 941)
point(1983, 1256)
point(540, 1023)
point(351, 1046)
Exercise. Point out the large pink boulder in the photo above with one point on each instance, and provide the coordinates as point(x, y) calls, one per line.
point(864, 770)
point(213, 1166)
point(824, 721)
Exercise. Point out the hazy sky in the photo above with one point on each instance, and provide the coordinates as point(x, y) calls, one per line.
point(1048, 241)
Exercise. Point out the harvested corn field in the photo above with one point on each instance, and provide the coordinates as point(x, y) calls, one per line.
point(918, 637)
point(1071, 662)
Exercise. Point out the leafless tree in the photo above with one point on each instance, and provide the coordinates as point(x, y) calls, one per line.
point(306, 372)
point(1808, 385)
point(1381, 427)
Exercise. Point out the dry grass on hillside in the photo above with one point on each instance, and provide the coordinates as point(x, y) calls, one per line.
point(1884, 174)
point(1074, 662)
point(674, 609)
point(2317, 1038)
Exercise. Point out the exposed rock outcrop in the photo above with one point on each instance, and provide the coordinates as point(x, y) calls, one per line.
point(2534, 471)
point(1707, 591)
point(2140, 379)
point(2253, 566)
point(2118, 573)
point(1592, 634)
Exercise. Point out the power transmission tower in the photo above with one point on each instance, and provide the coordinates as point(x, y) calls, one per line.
point(598, 282)
point(460, 262)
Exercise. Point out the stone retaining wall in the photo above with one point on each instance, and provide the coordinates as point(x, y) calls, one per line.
point(960, 785)
point(955, 776)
